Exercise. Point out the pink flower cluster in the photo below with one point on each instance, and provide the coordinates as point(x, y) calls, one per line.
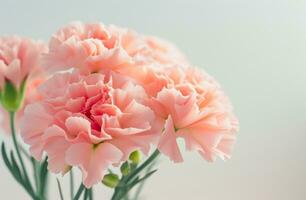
point(116, 91)
point(20, 61)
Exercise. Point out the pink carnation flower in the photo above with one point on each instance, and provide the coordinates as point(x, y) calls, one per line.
point(195, 108)
point(96, 47)
point(130, 91)
point(20, 60)
point(89, 121)
point(31, 95)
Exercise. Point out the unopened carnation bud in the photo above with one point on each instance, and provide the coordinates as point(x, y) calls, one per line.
point(12, 97)
point(125, 168)
point(111, 180)
point(135, 157)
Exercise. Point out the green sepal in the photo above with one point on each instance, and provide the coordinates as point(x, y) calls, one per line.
point(12, 97)
point(111, 180)
point(135, 157)
point(125, 168)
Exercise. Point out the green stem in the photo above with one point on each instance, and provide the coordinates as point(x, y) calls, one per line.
point(121, 190)
point(60, 189)
point(36, 178)
point(12, 124)
point(42, 174)
point(144, 165)
point(85, 194)
point(139, 189)
point(24, 152)
point(79, 192)
point(71, 184)
point(91, 194)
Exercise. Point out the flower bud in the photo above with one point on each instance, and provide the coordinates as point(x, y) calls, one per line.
point(125, 168)
point(111, 180)
point(11, 97)
point(135, 157)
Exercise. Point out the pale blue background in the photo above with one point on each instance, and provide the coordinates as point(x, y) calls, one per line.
point(256, 49)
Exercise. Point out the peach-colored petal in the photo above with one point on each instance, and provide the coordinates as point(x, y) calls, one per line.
point(84, 111)
point(55, 147)
point(168, 144)
point(94, 47)
point(32, 134)
point(20, 61)
point(76, 126)
point(201, 114)
point(129, 92)
point(94, 161)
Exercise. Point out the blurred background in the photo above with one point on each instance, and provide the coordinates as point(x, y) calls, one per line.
point(256, 49)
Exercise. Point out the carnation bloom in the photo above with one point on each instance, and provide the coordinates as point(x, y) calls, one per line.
point(19, 59)
point(31, 95)
point(96, 47)
point(89, 121)
point(20, 64)
point(195, 108)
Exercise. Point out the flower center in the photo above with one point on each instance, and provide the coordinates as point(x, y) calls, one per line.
point(92, 109)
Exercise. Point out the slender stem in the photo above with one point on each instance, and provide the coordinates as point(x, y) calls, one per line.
point(60, 189)
point(12, 119)
point(79, 192)
point(71, 184)
point(24, 152)
point(139, 189)
point(144, 165)
point(121, 190)
point(85, 194)
point(12, 124)
point(36, 178)
point(42, 174)
point(91, 194)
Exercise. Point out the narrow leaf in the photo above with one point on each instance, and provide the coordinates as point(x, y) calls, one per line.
point(15, 168)
point(43, 175)
point(60, 189)
point(135, 182)
point(79, 192)
point(9, 165)
point(5, 158)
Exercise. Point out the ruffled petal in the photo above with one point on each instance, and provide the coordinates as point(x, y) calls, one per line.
point(94, 161)
point(168, 144)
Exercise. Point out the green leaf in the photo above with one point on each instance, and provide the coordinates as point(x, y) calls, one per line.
point(135, 172)
point(8, 164)
point(79, 192)
point(86, 193)
point(90, 196)
point(43, 174)
point(139, 180)
point(134, 182)
point(5, 157)
point(15, 168)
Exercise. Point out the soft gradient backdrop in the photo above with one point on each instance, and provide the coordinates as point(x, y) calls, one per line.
point(256, 49)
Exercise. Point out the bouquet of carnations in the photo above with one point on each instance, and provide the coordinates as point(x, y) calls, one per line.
point(106, 101)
